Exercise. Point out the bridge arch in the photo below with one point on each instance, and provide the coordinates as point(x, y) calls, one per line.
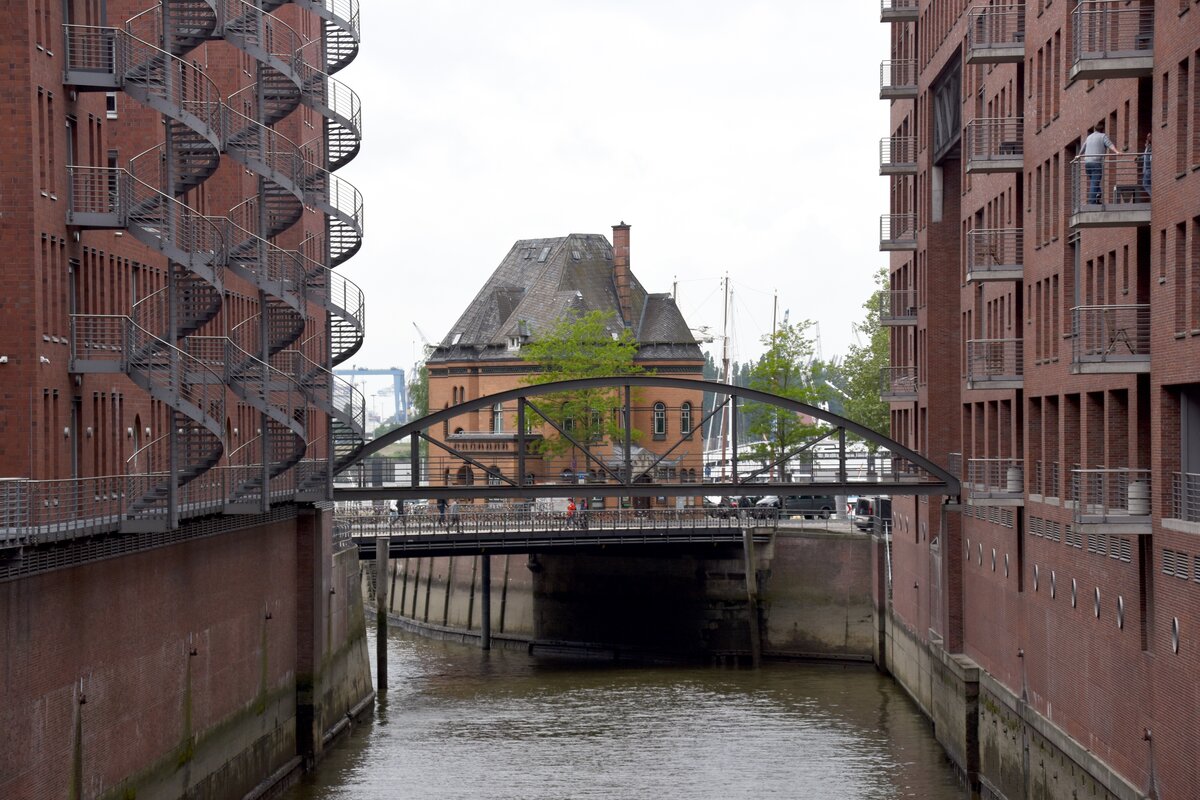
point(903, 471)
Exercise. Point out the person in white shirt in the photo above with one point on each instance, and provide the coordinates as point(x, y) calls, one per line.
point(1095, 145)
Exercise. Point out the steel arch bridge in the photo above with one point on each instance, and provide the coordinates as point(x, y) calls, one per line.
point(843, 458)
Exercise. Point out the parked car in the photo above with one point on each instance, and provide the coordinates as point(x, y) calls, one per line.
point(806, 505)
point(873, 511)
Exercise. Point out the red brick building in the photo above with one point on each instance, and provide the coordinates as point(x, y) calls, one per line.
point(171, 221)
point(1046, 301)
point(540, 282)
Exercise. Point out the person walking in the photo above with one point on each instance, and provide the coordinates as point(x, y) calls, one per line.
point(1095, 146)
point(454, 521)
point(441, 503)
point(570, 511)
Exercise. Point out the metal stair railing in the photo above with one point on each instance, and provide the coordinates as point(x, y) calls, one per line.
point(341, 201)
point(341, 31)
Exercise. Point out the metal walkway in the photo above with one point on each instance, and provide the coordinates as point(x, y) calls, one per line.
point(500, 532)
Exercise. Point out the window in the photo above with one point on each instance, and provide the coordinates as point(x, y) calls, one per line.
point(493, 475)
point(497, 418)
point(685, 419)
point(660, 421)
point(110, 104)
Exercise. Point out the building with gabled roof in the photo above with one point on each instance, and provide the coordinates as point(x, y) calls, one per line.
point(538, 283)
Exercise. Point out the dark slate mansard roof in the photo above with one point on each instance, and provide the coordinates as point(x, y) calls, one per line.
point(542, 280)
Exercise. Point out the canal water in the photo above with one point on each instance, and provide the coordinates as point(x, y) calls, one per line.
point(461, 723)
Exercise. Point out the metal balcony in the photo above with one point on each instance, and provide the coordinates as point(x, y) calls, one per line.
point(898, 307)
point(995, 364)
point(1112, 500)
point(995, 144)
point(1112, 39)
point(898, 384)
point(995, 254)
point(898, 79)
point(1110, 339)
point(996, 35)
point(1109, 191)
point(898, 232)
point(898, 155)
point(899, 10)
point(995, 482)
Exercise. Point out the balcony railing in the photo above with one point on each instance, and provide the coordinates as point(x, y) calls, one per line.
point(1045, 479)
point(996, 35)
point(1112, 39)
point(1185, 496)
point(1110, 191)
point(1115, 498)
point(954, 464)
point(898, 155)
point(898, 383)
point(995, 364)
point(898, 232)
point(898, 79)
point(995, 254)
point(898, 307)
point(1111, 339)
point(899, 10)
point(995, 144)
point(996, 481)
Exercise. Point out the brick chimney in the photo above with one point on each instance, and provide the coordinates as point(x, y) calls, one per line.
point(621, 277)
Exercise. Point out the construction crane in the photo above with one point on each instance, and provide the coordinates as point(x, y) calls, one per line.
point(399, 388)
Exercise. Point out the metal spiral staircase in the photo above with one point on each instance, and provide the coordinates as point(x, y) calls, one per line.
point(190, 377)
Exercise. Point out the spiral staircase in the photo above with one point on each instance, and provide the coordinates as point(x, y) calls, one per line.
point(168, 344)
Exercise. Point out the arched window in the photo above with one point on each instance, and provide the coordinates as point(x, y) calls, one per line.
point(497, 418)
point(493, 477)
point(685, 419)
point(466, 476)
point(660, 421)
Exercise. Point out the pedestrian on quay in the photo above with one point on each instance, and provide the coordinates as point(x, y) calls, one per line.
point(570, 511)
point(454, 518)
point(441, 503)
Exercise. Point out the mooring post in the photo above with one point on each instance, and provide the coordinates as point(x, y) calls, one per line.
point(381, 612)
point(752, 597)
point(485, 606)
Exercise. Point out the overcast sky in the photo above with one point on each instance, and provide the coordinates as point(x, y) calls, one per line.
point(734, 137)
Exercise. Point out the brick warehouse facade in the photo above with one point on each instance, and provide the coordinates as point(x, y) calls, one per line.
point(1049, 302)
point(178, 615)
point(538, 283)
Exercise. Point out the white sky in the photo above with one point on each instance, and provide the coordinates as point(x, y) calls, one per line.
point(737, 137)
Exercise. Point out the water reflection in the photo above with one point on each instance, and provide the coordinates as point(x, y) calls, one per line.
point(459, 722)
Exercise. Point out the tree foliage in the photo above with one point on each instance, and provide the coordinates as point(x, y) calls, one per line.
point(788, 369)
point(418, 392)
point(581, 346)
point(863, 364)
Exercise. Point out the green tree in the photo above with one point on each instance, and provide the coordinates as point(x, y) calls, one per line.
point(581, 346)
point(863, 364)
point(789, 370)
point(418, 391)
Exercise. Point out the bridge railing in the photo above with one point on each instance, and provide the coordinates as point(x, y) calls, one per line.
point(369, 523)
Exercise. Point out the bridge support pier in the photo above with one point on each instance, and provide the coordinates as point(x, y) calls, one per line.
point(752, 597)
point(381, 613)
point(485, 605)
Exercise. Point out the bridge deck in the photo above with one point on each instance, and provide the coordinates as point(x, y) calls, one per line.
point(526, 532)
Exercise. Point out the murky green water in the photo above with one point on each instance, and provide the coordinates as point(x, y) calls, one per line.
point(461, 723)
